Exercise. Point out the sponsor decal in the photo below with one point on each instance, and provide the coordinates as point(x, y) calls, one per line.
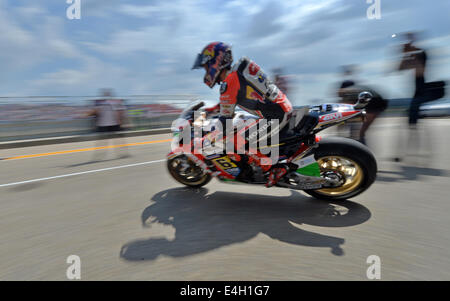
point(262, 129)
point(216, 173)
point(339, 115)
point(225, 97)
point(252, 94)
point(226, 112)
point(261, 77)
point(224, 163)
point(331, 116)
point(223, 87)
point(234, 171)
point(302, 162)
point(253, 69)
point(347, 114)
point(199, 162)
point(172, 156)
point(209, 51)
point(234, 157)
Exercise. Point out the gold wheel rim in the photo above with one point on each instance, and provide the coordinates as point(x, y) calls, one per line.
point(350, 171)
point(182, 179)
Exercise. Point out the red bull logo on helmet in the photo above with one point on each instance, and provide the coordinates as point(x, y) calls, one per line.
point(209, 50)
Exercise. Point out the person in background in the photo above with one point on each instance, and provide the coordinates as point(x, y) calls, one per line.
point(348, 93)
point(416, 59)
point(375, 107)
point(110, 117)
point(281, 81)
point(348, 81)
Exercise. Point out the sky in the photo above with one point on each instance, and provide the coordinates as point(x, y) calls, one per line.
point(148, 47)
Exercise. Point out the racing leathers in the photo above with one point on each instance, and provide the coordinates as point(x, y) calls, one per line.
point(248, 87)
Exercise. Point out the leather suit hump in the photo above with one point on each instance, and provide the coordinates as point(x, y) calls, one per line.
point(248, 87)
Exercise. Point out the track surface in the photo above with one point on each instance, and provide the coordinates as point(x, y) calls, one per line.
point(128, 220)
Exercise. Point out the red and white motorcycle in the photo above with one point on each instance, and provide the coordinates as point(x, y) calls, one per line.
point(331, 168)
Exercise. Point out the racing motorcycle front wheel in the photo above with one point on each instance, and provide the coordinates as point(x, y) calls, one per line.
point(345, 161)
point(186, 172)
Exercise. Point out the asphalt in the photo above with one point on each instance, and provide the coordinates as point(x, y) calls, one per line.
point(128, 220)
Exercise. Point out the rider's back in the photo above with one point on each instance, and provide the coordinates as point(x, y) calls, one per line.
point(249, 87)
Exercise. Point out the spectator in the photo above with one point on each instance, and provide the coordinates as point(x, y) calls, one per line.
point(346, 95)
point(348, 92)
point(281, 81)
point(416, 59)
point(110, 116)
point(375, 107)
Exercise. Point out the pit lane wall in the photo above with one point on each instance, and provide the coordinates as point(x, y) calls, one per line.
point(42, 117)
point(23, 130)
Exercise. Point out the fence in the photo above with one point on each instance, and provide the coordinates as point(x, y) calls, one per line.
point(52, 116)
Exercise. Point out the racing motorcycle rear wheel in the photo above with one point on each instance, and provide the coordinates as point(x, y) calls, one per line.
point(347, 162)
point(186, 172)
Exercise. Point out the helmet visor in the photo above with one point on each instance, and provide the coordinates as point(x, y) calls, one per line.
point(200, 61)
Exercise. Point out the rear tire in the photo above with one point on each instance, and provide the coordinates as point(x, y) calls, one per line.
point(347, 150)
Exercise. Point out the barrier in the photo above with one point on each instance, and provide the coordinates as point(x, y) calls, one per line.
point(18, 114)
point(21, 130)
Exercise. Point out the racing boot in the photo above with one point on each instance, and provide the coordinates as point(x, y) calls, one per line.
point(277, 172)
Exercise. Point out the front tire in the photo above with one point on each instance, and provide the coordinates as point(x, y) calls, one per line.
point(186, 172)
point(350, 161)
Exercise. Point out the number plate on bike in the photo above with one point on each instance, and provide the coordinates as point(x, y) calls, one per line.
point(224, 163)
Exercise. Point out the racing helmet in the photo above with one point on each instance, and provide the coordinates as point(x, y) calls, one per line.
point(214, 57)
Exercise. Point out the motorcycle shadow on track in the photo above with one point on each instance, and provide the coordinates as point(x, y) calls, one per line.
point(205, 222)
point(411, 173)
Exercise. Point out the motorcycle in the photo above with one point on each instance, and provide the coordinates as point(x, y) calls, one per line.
point(329, 168)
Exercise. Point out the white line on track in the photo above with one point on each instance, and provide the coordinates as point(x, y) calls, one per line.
point(81, 173)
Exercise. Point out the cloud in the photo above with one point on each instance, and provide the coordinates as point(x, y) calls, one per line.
point(88, 78)
point(99, 8)
point(139, 11)
point(149, 47)
point(264, 23)
point(32, 11)
point(25, 46)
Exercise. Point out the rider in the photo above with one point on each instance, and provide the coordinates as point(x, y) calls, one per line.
point(245, 85)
